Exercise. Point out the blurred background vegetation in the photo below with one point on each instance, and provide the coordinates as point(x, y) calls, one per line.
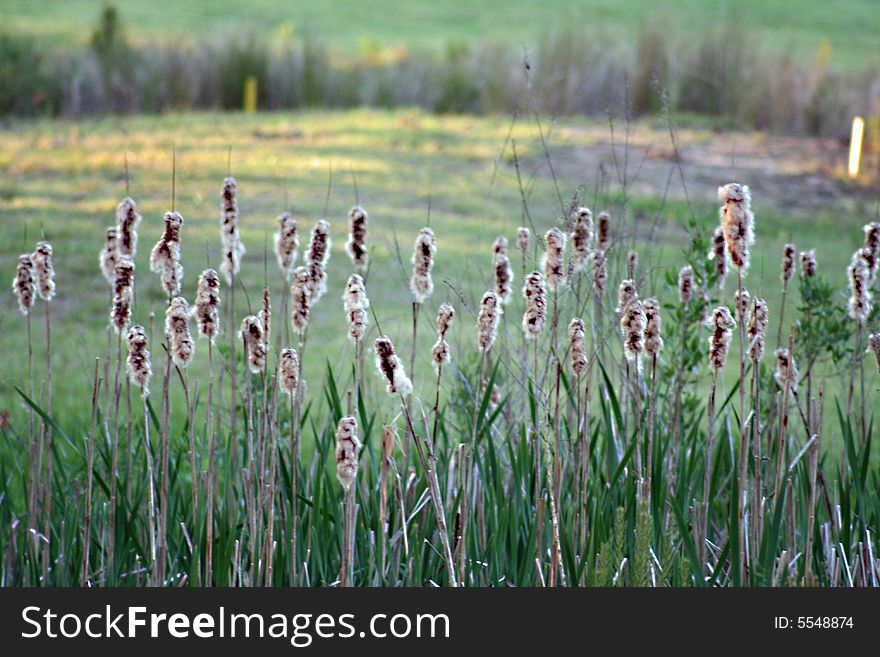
point(787, 66)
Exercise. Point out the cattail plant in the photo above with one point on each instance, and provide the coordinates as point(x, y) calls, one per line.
point(109, 255)
point(686, 285)
point(786, 376)
point(757, 330)
point(859, 309)
point(424, 250)
point(266, 316)
point(289, 382)
point(253, 337)
point(300, 300)
point(127, 222)
point(233, 249)
point(503, 278)
point(356, 247)
point(653, 345)
point(207, 312)
point(737, 223)
point(286, 244)
point(177, 329)
point(347, 446)
point(316, 260)
point(165, 256)
point(719, 346)
point(581, 236)
point(487, 320)
point(717, 255)
point(534, 291)
point(44, 270)
point(439, 356)
point(871, 250)
point(123, 295)
point(391, 369)
point(499, 246)
point(603, 231)
point(523, 238)
point(579, 362)
point(356, 303)
point(808, 263)
point(632, 324)
point(554, 271)
point(787, 271)
point(25, 289)
point(632, 263)
point(600, 275)
point(626, 295)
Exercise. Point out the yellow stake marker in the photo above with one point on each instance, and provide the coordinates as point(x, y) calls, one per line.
point(250, 94)
point(855, 146)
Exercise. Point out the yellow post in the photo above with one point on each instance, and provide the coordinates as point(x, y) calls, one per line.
point(250, 94)
point(855, 146)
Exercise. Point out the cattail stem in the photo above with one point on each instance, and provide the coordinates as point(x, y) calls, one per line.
point(428, 465)
point(781, 312)
point(114, 459)
point(47, 504)
point(707, 474)
point(783, 427)
point(90, 462)
point(649, 446)
point(468, 471)
point(346, 571)
point(164, 463)
point(211, 479)
point(758, 484)
point(294, 482)
point(741, 326)
point(148, 452)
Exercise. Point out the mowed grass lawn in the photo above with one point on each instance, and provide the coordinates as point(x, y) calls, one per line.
point(850, 28)
point(65, 179)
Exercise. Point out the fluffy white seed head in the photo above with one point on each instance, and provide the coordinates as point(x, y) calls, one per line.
point(316, 259)
point(23, 285)
point(535, 293)
point(347, 447)
point(44, 270)
point(300, 300)
point(653, 338)
point(808, 263)
point(391, 368)
point(741, 302)
point(207, 304)
point(138, 365)
point(523, 236)
point(123, 296)
point(445, 317)
point(788, 253)
point(288, 371)
point(165, 256)
point(632, 324)
point(717, 255)
point(177, 331)
point(603, 231)
point(722, 333)
point(499, 245)
point(874, 345)
point(127, 222)
point(737, 221)
point(786, 370)
point(686, 285)
point(254, 339)
point(424, 250)
point(233, 249)
point(286, 244)
point(553, 262)
point(577, 350)
point(581, 236)
point(356, 247)
point(626, 294)
point(757, 329)
point(503, 278)
point(859, 294)
point(600, 274)
point(110, 254)
point(487, 320)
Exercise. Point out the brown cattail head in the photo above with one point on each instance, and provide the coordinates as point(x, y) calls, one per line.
point(554, 270)
point(44, 270)
point(626, 294)
point(424, 249)
point(208, 304)
point(487, 320)
point(123, 295)
point(503, 278)
point(600, 274)
point(576, 332)
point(300, 299)
point(138, 363)
point(286, 244)
point(288, 371)
point(871, 250)
point(786, 370)
point(23, 285)
point(110, 254)
point(177, 331)
point(632, 263)
point(254, 339)
point(390, 367)
point(718, 255)
point(653, 339)
point(523, 236)
point(633, 323)
point(266, 316)
point(357, 238)
point(808, 263)
point(347, 446)
point(535, 293)
point(686, 285)
point(445, 317)
point(874, 345)
point(127, 222)
point(440, 352)
point(499, 246)
point(737, 222)
point(741, 302)
point(165, 257)
point(317, 258)
point(859, 294)
point(788, 252)
point(356, 302)
point(581, 236)
point(603, 231)
point(757, 329)
point(233, 249)
point(722, 332)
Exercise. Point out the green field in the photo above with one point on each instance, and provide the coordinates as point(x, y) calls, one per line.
point(66, 179)
point(850, 27)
